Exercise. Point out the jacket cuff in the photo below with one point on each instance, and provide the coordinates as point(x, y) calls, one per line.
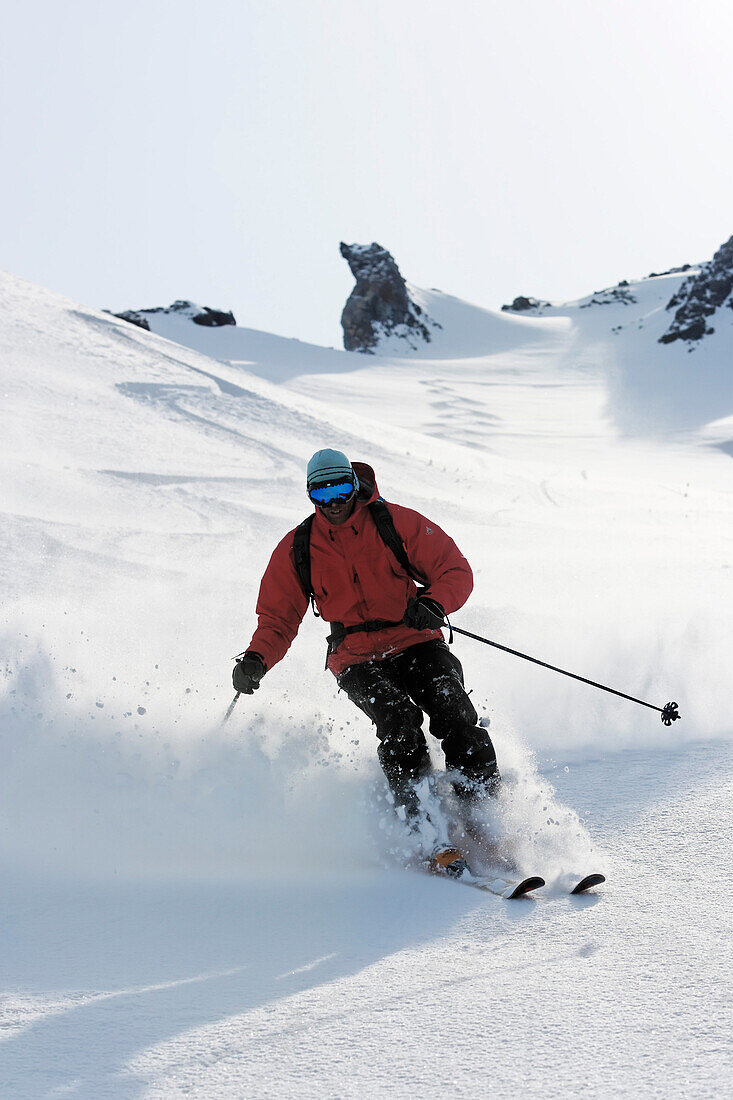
point(254, 653)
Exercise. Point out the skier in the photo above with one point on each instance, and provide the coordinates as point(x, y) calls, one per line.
point(358, 560)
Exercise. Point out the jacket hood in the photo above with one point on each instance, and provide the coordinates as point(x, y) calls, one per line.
point(368, 490)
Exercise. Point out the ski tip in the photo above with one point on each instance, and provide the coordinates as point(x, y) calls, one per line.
point(588, 883)
point(534, 882)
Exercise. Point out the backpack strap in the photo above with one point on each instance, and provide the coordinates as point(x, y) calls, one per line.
point(388, 534)
point(302, 558)
point(386, 530)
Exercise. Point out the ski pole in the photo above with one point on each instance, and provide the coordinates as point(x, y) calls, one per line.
point(669, 712)
point(230, 708)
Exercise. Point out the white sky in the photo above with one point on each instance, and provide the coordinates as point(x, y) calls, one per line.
point(219, 152)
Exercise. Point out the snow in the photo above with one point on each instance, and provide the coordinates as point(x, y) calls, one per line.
point(219, 912)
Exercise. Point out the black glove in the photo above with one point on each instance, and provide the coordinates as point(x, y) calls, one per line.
point(423, 613)
point(247, 673)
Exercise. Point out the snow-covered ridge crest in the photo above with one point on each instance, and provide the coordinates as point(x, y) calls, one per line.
point(704, 295)
point(386, 315)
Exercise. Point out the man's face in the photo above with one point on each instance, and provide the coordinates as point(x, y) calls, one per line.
point(336, 499)
point(338, 511)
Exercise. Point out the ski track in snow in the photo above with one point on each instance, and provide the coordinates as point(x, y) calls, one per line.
point(190, 910)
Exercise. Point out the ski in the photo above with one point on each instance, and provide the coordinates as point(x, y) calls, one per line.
point(588, 883)
point(503, 888)
point(507, 889)
point(450, 862)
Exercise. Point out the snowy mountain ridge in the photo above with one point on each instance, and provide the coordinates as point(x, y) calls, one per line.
point(386, 315)
point(650, 390)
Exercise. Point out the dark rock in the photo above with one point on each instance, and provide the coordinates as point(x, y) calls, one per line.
point(380, 305)
point(700, 295)
point(614, 294)
point(671, 271)
point(522, 305)
point(134, 318)
point(200, 315)
point(214, 318)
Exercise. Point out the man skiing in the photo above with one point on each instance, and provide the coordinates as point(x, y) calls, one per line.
point(358, 561)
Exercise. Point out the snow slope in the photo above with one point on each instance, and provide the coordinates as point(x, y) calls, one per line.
point(191, 910)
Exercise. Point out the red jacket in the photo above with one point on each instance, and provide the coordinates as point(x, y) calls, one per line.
point(356, 579)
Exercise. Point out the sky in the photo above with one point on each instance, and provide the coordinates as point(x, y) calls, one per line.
point(157, 150)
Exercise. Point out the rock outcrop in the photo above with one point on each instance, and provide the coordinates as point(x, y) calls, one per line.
point(619, 294)
point(612, 295)
point(670, 271)
point(700, 296)
point(522, 304)
point(380, 305)
point(135, 317)
point(200, 315)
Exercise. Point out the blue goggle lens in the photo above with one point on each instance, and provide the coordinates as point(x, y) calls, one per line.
point(326, 494)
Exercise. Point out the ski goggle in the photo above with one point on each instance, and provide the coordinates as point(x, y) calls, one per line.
point(328, 494)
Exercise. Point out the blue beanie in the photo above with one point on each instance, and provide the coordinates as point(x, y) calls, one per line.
point(328, 466)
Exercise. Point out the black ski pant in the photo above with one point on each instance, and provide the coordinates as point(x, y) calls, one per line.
point(395, 692)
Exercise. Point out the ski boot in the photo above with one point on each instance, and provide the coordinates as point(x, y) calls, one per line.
point(447, 861)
